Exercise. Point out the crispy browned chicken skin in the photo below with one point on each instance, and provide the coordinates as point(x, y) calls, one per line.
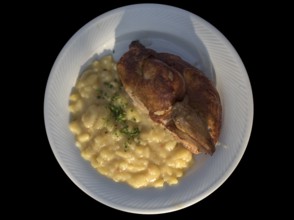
point(175, 94)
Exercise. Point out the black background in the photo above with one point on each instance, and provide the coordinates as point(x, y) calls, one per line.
point(47, 190)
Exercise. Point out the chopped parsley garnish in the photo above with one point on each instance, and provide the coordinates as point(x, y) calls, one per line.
point(101, 94)
point(126, 146)
point(131, 133)
point(108, 84)
point(114, 97)
point(117, 112)
point(117, 107)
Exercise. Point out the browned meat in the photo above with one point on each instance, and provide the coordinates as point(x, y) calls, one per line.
point(175, 94)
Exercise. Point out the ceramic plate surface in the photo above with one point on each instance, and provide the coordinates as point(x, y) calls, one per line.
point(165, 29)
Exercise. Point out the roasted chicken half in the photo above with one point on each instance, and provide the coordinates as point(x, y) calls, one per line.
point(175, 94)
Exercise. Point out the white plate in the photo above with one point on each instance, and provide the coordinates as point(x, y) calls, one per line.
point(168, 29)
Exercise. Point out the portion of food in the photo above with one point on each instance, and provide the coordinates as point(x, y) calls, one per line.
point(120, 141)
point(174, 94)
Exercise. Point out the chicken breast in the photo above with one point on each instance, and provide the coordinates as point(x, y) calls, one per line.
point(175, 94)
